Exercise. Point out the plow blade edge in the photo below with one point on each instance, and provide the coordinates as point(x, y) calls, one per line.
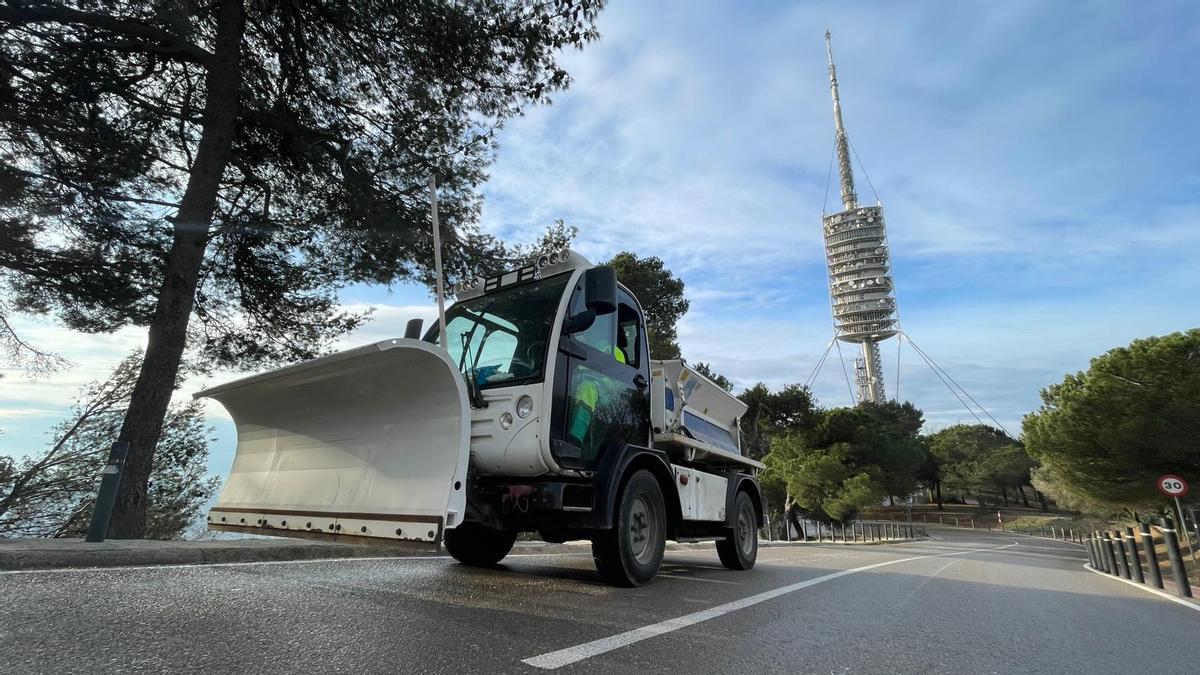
point(372, 443)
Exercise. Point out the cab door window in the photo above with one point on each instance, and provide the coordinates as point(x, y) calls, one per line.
point(605, 409)
point(629, 335)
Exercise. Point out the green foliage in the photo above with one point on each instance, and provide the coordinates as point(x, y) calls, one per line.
point(973, 457)
point(707, 371)
point(50, 494)
point(1103, 436)
point(770, 414)
point(661, 296)
point(344, 113)
point(851, 458)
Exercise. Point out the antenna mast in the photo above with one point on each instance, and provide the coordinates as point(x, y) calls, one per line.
point(849, 198)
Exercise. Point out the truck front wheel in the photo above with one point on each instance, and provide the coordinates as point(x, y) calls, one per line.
point(631, 553)
point(739, 550)
point(479, 545)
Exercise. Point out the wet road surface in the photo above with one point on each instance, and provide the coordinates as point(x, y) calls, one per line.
point(959, 602)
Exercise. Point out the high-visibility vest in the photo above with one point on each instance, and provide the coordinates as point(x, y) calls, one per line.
point(586, 398)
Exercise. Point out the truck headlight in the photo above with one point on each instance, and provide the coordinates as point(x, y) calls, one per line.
point(505, 420)
point(524, 407)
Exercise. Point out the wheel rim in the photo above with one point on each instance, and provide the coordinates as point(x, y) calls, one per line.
point(643, 529)
point(745, 530)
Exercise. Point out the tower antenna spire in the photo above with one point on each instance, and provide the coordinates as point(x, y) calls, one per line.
point(842, 143)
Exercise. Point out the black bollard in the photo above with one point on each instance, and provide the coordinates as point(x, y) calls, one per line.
point(1110, 556)
point(1182, 587)
point(110, 484)
point(1122, 560)
point(1151, 556)
point(1134, 559)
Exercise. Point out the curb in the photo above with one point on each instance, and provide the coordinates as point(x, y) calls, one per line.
point(26, 555)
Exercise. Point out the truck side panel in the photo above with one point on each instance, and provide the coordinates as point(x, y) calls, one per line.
point(702, 495)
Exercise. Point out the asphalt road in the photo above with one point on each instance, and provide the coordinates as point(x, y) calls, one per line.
point(962, 602)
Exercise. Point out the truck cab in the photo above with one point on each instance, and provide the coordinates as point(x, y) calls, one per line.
point(539, 410)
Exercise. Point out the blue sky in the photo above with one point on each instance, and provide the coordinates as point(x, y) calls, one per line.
point(1037, 163)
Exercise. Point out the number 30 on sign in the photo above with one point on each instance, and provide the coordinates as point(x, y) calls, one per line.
point(1172, 486)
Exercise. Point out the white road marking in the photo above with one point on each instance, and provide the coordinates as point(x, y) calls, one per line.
point(711, 581)
point(1148, 589)
point(587, 650)
point(924, 582)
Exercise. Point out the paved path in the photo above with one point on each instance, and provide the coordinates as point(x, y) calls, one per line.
point(962, 602)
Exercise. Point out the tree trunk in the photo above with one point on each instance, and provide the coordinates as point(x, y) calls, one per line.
point(1024, 499)
point(794, 519)
point(939, 495)
point(891, 500)
point(1004, 493)
point(168, 328)
point(1041, 499)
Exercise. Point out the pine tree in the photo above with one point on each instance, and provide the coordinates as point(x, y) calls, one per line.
point(215, 171)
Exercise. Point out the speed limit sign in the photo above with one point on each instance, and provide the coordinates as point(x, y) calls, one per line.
point(1172, 486)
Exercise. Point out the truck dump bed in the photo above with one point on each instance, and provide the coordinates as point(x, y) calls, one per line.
point(694, 417)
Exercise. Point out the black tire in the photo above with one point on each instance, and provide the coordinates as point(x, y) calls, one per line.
point(478, 545)
point(739, 550)
point(631, 553)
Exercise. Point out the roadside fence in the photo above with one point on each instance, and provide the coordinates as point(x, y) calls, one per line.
point(858, 531)
point(1121, 554)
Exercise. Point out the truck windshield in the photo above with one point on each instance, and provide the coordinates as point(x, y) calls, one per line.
point(500, 338)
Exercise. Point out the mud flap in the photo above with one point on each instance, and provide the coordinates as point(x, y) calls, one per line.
point(372, 442)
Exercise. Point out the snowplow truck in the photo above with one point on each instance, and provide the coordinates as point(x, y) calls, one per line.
point(543, 413)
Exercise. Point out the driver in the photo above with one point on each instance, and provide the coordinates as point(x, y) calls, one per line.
point(587, 397)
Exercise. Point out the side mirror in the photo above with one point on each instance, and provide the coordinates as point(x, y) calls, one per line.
point(600, 290)
point(579, 322)
point(412, 330)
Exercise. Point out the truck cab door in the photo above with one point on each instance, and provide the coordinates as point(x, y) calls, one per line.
point(601, 386)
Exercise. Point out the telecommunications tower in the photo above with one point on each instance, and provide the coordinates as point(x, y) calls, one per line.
point(860, 281)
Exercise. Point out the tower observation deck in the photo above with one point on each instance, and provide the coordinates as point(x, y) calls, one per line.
point(856, 252)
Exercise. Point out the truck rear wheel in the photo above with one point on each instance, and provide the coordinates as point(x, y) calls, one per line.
point(631, 553)
point(739, 550)
point(478, 545)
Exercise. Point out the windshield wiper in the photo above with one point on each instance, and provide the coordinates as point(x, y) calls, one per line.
point(474, 394)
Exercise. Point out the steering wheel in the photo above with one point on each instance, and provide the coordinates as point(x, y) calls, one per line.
point(524, 367)
point(533, 353)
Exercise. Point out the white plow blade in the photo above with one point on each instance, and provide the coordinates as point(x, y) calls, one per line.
point(371, 442)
